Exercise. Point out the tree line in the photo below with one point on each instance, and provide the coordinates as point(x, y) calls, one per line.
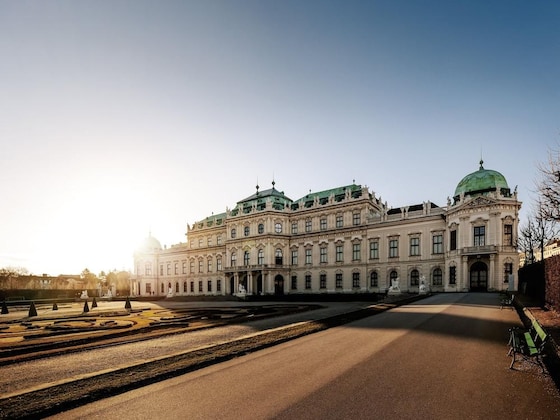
point(541, 226)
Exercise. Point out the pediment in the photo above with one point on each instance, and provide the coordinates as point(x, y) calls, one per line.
point(480, 201)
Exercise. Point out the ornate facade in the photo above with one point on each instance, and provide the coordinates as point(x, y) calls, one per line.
point(342, 240)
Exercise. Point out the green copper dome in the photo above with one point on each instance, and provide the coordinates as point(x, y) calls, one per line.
point(481, 182)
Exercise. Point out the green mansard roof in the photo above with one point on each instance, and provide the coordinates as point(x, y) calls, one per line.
point(260, 198)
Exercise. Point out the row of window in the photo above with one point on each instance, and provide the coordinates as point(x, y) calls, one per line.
point(278, 227)
point(187, 287)
point(393, 252)
point(479, 234)
point(414, 278)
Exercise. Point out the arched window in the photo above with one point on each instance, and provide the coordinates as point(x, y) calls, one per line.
point(437, 277)
point(414, 278)
point(373, 279)
point(185, 287)
point(393, 276)
point(233, 233)
point(261, 228)
point(177, 287)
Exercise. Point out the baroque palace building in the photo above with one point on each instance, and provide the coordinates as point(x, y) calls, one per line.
point(342, 240)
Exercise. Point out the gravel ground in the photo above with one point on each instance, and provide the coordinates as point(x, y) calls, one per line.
point(36, 388)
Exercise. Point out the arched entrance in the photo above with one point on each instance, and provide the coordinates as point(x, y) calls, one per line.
point(278, 285)
point(479, 277)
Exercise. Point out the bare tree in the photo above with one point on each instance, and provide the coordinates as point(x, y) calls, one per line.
point(528, 240)
point(548, 187)
point(10, 274)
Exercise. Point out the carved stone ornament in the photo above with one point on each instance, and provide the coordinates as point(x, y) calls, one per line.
point(481, 201)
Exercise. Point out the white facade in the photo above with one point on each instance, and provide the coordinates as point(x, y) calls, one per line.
point(343, 240)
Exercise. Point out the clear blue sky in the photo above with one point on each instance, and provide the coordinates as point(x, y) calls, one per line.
point(118, 118)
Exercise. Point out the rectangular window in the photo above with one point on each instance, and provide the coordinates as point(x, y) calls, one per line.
point(355, 280)
point(340, 253)
point(479, 236)
point(453, 240)
point(209, 241)
point(200, 285)
point(437, 244)
point(323, 281)
point(209, 285)
point(414, 247)
point(219, 240)
point(168, 269)
point(219, 264)
point(338, 280)
point(191, 266)
point(452, 274)
point(149, 288)
point(161, 270)
point(508, 235)
point(308, 225)
point(200, 266)
point(356, 252)
point(192, 286)
point(294, 228)
point(323, 224)
point(339, 221)
point(294, 282)
point(323, 254)
point(184, 267)
point(308, 256)
point(356, 219)
point(393, 248)
point(209, 265)
point(294, 257)
point(308, 281)
point(218, 285)
point(374, 250)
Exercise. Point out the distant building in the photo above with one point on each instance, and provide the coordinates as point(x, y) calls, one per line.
point(551, 249)
point(342, 240)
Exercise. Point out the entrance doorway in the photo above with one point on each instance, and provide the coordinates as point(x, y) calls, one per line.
point(278, 285)
point(479, 277)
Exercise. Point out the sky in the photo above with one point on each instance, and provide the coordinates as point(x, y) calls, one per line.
point(120, 119)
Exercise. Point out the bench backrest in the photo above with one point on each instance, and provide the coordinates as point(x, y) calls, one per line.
point(540, 334)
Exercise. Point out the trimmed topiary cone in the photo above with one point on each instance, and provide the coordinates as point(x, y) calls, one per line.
point(127, 304)
point(4, 308)
point(32, 310)
point(94, 303)
point(86, 306)
point(55, 307)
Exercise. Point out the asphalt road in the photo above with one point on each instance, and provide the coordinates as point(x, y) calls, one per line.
point(443, 357)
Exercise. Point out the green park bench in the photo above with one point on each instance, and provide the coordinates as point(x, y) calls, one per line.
point(507, 302)
point(529, 344)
